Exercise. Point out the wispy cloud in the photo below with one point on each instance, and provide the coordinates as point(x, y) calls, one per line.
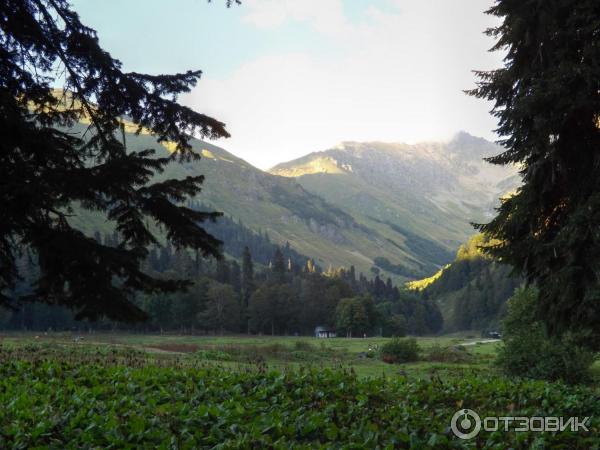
point(397, 75)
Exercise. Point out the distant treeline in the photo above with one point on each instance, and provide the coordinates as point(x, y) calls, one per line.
point(262, 288)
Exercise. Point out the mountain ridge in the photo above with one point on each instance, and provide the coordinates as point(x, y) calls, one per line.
point(431, 189)
point(315, 224)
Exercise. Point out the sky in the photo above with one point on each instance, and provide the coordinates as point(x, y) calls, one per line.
point(290, 77)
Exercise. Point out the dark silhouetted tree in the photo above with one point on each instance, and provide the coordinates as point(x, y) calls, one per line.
point(235, 277)
point(45, 167)
point(547, 100)
point(278, 267)
point(247, 276)
point(222, 309)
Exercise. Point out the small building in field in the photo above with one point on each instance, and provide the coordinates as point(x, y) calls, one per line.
point(324, 332)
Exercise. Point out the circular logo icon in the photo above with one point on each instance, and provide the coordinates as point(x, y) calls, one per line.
point(465, 424)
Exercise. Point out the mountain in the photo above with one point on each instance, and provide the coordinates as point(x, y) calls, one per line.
point(275, 205)
point(421, 199)
point(404, 209)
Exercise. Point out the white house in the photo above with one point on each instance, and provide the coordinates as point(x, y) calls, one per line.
point(324, 332)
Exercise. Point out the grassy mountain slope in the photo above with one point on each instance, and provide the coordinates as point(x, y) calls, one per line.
point(420, 198)
point(277, 205)
point(402, 208)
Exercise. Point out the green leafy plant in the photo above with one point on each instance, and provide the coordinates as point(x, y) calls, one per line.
point(529, 351)
point(400, 350)
point(62, 404)
point(453, 354)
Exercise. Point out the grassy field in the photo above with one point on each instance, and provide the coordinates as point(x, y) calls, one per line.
point(107, 390)
point(274, 351)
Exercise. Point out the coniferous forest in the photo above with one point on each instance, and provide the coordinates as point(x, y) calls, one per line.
point(277, 291)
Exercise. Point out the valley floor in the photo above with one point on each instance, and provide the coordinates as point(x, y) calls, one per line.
point(105, 390)
point(278, 352)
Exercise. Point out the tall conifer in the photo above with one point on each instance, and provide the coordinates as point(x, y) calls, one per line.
point(45, 169)
point(547, 100)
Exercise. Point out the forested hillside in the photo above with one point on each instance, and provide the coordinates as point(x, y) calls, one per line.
point(360, 218)
point(280, 293)
point(330, 253)
point(472, 291)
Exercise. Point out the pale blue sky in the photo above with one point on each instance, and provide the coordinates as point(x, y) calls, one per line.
point(294, 76)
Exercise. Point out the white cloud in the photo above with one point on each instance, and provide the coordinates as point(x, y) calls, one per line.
point(397, 77)
point(326, 17)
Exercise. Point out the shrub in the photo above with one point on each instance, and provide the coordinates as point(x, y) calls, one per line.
point(215, 355)
point(529, 351)
point(532, 354)
point(400, 350)
point(304, 346)
point(456, 354)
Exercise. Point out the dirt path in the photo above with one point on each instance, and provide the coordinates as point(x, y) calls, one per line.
point(483, 341)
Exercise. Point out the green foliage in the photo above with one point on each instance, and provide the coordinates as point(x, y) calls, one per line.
point(273, 309)
point(400, 350)
point(300, 351)
point(529, 351)
point(237, 237)
point(355, 316)
point(222, 311)
point(394, 326)
point(106, 404)
point(548, 105)
point(453, 354)
point(472, 291)
point(248, 285)
point(474, 248)
point(304, 346)
point(227, 298)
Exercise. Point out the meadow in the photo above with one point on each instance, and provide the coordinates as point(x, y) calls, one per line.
point(109, 390)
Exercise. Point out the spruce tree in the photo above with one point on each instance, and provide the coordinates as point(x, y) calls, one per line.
point(222, 272)
point(45, 169)
point(235, 277)
point(278, 267)
point(547, 100)
point(247, 276)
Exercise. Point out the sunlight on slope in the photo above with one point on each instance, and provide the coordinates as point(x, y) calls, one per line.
point(419, 285)
point(318, 165)
point(474, 248)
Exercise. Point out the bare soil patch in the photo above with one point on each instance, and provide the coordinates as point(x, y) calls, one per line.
point(179, 348)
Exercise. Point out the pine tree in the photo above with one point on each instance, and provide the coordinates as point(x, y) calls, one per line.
point(547, 100)
point(222, 273)
point(247, 276)
point(352, 275)
point(278, 267)
point(45, 168)
point(235, 277)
